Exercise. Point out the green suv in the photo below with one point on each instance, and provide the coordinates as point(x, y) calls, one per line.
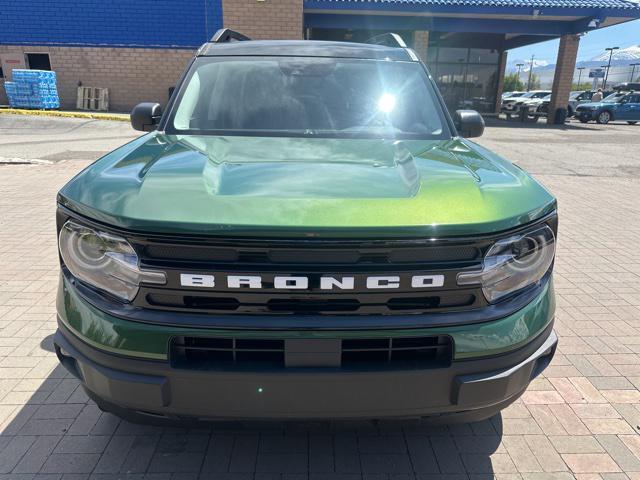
point(305, 233)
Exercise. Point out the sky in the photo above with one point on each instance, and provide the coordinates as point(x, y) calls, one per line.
point(592, 44)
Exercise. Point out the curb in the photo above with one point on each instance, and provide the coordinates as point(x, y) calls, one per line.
point(118, 117)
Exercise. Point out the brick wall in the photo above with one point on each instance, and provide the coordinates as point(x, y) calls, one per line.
point(132, 75)
point(421, 44)
point(183, 23)
point(502, 67)
point(267, 19)
point(563, 77)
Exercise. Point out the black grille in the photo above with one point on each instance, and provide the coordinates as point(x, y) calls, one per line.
point(412, 352)
point(313, 259)
point(267, 304)
point(222, 354)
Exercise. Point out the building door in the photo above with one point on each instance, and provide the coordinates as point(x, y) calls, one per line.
point(38, 61)
point(9, 61)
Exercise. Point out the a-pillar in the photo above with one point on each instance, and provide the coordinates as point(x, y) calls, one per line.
point(563, 78)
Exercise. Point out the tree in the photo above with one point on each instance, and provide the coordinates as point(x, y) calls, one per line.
point(512, 83)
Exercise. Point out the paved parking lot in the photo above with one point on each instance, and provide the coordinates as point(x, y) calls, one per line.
point(580, 420)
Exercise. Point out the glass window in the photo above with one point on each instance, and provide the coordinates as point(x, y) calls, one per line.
point(432, 54)
point(451, 81)
point(467, 78)
point(483, 55)
point(540, 94)
point(482, 83)
point(308, 96)
point(452, 55)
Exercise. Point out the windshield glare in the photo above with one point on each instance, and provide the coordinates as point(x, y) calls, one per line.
point(307, 96)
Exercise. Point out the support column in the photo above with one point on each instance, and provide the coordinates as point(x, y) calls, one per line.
point(563, 77)
point(421, 44)
point(502, 68)
point(265, 19)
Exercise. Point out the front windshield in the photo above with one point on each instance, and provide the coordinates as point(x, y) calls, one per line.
point(541, 94)
point(302, 96)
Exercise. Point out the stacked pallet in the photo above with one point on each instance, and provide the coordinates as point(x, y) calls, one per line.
point(33, 89)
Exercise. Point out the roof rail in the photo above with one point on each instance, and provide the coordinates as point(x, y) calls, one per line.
point(225, 35)
point(388, 39)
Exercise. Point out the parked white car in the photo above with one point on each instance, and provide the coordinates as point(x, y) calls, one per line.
point(506, 95)
point(512, 106)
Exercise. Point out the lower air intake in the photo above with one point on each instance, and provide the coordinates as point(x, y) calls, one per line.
point(220, 354)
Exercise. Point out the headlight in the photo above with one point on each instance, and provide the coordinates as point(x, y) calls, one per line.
point(103, 260)
point(513, 263)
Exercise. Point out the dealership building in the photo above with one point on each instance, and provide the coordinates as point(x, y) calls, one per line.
point(137, 49)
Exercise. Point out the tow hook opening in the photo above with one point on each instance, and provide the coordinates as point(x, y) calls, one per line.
point(68, 361)
point(543, 362)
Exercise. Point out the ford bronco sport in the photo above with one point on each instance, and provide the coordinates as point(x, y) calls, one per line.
point(305, 233)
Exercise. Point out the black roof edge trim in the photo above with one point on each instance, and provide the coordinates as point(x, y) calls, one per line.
point(388, 39)
point(225, 35)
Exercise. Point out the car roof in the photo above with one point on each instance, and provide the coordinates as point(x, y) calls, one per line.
point(306, 48)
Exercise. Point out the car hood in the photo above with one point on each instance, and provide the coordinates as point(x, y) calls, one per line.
point(305, 186)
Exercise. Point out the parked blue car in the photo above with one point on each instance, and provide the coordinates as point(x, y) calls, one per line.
point(623, 106)
point(617, 106)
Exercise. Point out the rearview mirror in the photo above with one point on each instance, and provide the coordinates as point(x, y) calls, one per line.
point(145, 116)
point(469, 123)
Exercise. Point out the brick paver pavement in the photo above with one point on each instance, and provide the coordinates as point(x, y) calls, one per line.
point(581, 419)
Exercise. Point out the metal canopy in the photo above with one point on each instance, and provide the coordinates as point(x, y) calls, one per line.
point(523, 17)
point(417, 5)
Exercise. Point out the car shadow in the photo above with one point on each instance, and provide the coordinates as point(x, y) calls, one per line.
point(55, 429)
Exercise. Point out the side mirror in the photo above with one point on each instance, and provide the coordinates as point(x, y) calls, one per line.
point(469, 123)
point(145, 116)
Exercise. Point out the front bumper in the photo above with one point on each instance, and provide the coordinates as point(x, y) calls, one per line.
point(586, 114)
point(509, 108)
point(468, 391)
point(124, 365)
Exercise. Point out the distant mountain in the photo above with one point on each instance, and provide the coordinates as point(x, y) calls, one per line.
point(629, 53)
point(620, 67)
point(537, 63)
